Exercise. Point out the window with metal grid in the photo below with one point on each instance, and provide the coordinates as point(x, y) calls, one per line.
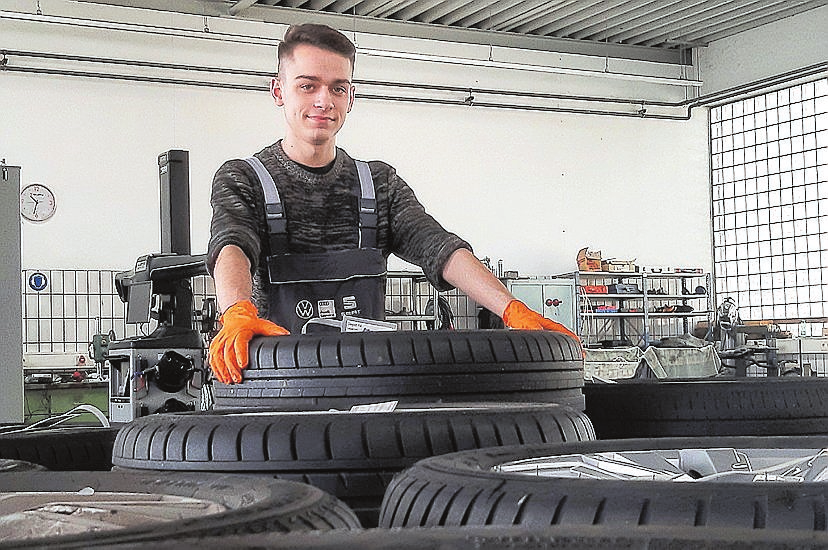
point(770, 203)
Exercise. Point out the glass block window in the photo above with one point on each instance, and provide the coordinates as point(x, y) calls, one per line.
point(770, 202)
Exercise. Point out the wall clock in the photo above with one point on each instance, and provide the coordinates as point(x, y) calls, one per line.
point(37, 202)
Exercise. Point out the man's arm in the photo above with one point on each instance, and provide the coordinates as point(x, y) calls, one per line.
point(466, 272)
point(234, 283)
point(240, 320)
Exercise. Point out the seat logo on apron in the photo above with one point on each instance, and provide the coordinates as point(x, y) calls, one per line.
point(304, 309)
point(349, 302)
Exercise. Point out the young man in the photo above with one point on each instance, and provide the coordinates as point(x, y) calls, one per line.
point(304, 230)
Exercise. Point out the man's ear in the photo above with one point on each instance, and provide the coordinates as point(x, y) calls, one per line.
point(276, 91)
point(351, 101)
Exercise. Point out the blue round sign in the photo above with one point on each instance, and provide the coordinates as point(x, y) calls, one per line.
point(38, 281)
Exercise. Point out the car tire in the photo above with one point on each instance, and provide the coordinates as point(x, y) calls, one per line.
point(77, 448)
point(352, 455)
point(8, 465)
point(344, 369)
point(251, 505)
point(467, 489)
point(557, 537)
point(711, 407)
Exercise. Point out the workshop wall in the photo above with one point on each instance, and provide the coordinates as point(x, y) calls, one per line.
point(770, 50)
point(529, 187)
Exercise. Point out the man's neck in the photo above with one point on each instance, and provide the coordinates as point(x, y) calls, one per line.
point(315, 156)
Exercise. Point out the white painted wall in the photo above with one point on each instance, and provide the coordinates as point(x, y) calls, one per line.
point(528, 187)
point(769, 50)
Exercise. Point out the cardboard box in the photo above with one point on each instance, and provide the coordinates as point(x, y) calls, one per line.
point(589, 260)
point(618, 266)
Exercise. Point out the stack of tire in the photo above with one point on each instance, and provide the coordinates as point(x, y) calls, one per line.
point(291, 416)
point(728, 406)
point(441, 462)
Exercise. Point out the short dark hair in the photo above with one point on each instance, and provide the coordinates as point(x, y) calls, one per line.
point(320, 36)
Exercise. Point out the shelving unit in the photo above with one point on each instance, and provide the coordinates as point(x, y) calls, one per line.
point(406, 298)
point(638, 314)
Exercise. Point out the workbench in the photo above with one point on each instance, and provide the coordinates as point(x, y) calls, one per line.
point(49, 399)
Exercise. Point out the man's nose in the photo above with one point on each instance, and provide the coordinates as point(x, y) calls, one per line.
point(323, 99)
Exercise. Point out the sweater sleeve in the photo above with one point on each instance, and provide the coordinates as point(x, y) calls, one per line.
point(416, 236)
point(237, 203)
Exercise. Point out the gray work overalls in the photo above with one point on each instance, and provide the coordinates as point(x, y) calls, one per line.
point(328, 284)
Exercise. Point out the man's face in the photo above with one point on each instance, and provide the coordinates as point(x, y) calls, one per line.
point(314, 87)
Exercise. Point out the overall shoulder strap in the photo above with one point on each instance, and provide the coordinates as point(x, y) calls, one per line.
point(274, 210)
point(367, 206)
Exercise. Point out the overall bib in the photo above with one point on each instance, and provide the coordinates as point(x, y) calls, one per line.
point(323, 285)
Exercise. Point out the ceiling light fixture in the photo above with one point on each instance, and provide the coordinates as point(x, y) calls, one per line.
point(527, 67)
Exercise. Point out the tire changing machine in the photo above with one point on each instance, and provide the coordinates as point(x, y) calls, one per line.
point(165, 370)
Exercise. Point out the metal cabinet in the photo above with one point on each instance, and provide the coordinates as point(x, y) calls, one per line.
point(552, 297)
point(11, 321)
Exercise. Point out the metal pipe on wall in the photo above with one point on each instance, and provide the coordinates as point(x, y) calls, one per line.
point(265, 74)
point(636, 108)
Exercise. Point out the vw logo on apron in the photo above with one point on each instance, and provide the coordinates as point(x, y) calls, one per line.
point(304, 309)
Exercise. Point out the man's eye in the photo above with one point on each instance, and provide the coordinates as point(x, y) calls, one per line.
point(341, 90)
point(306, 87)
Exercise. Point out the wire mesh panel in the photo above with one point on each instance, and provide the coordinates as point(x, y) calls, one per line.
point(411, 302)
point(64, 309)
point(770, 203)
point(463, 308)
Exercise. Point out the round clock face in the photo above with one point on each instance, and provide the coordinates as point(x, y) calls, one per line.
point(37, 202)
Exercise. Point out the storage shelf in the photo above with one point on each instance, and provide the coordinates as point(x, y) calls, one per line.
point(678, 314)
point(618, 325)
point(650, 297)
point(626, 275)
point(607, 274)
point(641, 314)
point(591, 295)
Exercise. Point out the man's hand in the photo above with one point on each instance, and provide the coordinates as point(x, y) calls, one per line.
point(517, 315)
point(229, 348)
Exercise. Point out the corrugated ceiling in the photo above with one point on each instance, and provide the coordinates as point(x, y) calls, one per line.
point(652, 23)
point(650, 30)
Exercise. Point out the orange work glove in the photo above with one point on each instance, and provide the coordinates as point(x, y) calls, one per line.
point(517, 315)
point(229, 348)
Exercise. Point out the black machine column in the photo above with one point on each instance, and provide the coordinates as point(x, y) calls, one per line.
point(162, 371)
point(174, 172)
point(174, 176)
